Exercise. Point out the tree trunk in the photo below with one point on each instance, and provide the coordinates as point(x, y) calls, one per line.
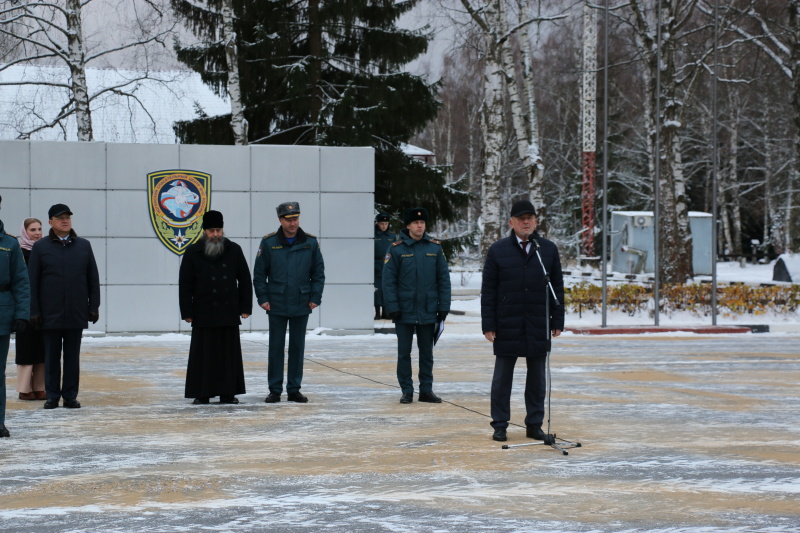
point(522, 109)
point(794, 39)
point(675, 244)
point(315, 67)
point(493, 131)
point(77, 68)
point(238, 122)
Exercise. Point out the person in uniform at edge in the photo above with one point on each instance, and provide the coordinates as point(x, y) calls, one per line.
point(416, 295)
point(513, 303)
point(383, 239)
point(289, 276)
point(215, 291)
point(65, 295)
point(14, 306)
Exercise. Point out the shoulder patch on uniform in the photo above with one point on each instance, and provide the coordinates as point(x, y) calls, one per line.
point(395, 243)
point(270, 235)
point(310, 235)
point(434, 241)
point(10, 235)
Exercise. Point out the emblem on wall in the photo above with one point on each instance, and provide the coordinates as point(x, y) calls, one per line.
point(177, 200)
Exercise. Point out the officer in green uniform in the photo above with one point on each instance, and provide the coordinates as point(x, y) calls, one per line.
point(288, 278)
point(383, 239)
point(15, 302)
point(416, 295)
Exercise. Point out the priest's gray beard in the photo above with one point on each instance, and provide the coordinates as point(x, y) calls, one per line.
point(214, 248)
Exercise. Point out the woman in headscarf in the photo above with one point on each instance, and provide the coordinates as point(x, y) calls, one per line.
point(30, 343)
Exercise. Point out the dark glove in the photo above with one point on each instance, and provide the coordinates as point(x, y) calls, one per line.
point(395, 315)
point(441, 316)
point(35, 321)
point(20, 325)
point(94, 317)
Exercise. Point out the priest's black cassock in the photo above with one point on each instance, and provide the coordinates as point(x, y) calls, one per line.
point(215, 292)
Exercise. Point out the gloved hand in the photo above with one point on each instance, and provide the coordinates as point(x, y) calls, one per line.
point(441, 316)
point(20, 325)
point(94, 317)
point(395, 315)
point(35, 321)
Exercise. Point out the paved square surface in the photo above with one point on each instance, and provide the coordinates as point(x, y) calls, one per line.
point(678, 433)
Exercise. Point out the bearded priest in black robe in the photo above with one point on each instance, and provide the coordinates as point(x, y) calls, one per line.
point(215, 291)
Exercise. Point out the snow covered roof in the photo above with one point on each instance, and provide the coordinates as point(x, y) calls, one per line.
point(699, 214)
point(787, 268)
point(138, 111)
point(415, 151)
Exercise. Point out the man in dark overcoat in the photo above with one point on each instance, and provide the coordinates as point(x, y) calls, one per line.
point(215, 292)
point(65, 296)
point(416, 292)
point(14, 306)
point(383, 239)
point(289, 276)
point(514, 300)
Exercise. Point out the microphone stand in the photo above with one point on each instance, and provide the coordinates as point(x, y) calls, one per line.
point(550, 439)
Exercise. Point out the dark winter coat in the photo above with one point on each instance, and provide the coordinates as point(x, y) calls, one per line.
point(65, 284)
point(215, 292)
point(289, 275)
point(383, 239)
point(14, 288)
point(416, 280)
point(513, 297)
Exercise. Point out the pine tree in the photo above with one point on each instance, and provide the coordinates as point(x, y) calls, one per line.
point(324, 73)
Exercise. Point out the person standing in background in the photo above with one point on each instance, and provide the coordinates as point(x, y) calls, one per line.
point(14, 306)
point(30, 343)
point(288, 277)
point(65, 296)
point(383, 239)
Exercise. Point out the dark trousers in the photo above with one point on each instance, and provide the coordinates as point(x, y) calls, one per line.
point(297, 345)
point(405, 336)
point(535, 384)
point(56, 342)
point(4, 344)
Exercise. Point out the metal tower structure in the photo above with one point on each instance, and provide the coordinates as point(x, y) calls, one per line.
point(589, 129)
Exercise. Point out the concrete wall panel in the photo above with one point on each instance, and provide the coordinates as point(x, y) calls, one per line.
point(132, 308)
point(16, 162)
point(229, 166)
point(348, 215)
point(88, 208)
point(343, 307)
point(353, 171)
point(129, 164)
point(149, 263)
point(265, 217)
point(344, 260)
point(285, 168)
point(76, 165)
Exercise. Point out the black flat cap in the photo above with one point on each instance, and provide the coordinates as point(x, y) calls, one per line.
point(58, 210)
point(522, 207)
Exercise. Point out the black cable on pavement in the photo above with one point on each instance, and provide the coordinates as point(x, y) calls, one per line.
point(385, 384)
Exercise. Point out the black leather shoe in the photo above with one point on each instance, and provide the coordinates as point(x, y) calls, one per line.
point(407, 397)
point(200, 401)
point(500, 435)
point(298, 397)
point(229, 399)
point(72, 404)
point(535, 432)
point(429, 397)
point(3, 431)
point(272, 398)
point(50, 404)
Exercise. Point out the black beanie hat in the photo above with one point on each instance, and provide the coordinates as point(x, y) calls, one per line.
point(212, 219)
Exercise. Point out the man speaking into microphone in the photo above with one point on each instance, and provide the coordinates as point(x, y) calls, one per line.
point(514, 304)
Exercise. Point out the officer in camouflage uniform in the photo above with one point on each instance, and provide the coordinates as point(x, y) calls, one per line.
point(288, 278)
point(383, 239)
point(416, 295)
point(15, 301)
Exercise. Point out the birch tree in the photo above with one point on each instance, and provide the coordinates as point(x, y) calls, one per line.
point(664, 110)
point(53, 32)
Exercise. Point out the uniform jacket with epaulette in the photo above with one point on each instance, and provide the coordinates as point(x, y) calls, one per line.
point(289, 275)
point(15, 295)
point(416, 280)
